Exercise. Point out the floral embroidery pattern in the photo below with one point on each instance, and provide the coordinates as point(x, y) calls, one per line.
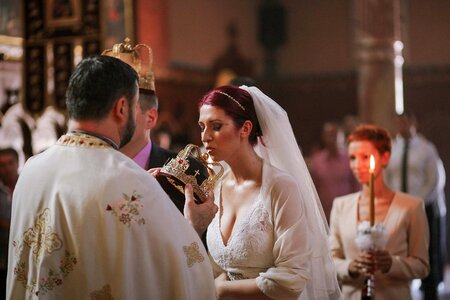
point(127, 209)
point(193, 254)
point(103, 294)
point(51, 281)
point(41, 237)
point(20, 271)
point(39, 241)
point(17, 249)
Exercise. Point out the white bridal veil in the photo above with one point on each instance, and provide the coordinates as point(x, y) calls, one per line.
point(282, 151)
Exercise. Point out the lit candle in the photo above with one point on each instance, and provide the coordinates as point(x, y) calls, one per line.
point(372, 191)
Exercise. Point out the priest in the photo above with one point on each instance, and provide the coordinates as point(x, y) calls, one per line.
point(87, 222)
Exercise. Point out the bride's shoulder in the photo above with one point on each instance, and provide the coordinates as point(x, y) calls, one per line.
point(276, 178)
point(270, 171)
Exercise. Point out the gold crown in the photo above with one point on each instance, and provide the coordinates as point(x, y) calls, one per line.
point(132, 56)
point(178, 166)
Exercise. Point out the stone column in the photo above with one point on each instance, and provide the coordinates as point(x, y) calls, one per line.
point(377, 26)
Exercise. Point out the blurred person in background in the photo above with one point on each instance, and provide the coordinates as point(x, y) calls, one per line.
point(416, 168)
point(330, 169)
point(9, 173)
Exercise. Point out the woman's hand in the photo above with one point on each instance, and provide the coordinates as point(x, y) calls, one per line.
point(353, 269)
point(376, 260)
point(361, 264)
point(383, 260)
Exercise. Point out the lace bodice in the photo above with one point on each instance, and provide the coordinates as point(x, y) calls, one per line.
point(249, 250)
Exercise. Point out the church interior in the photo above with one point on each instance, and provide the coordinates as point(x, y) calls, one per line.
point(321, 60)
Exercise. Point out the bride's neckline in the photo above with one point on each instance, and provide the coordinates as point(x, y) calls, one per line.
point(238, 221)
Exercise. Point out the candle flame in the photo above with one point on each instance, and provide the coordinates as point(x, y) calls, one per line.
point(372, 164)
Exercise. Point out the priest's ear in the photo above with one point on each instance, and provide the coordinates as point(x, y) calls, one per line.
point(120, 110)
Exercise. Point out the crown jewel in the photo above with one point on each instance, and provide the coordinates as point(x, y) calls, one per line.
point(132, 56)
point(178, 168)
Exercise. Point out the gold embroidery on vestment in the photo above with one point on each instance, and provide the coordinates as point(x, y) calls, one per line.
point(41, 237)
point(53, 279)
point(193, 254)
point(82, 140)
point(127, 210)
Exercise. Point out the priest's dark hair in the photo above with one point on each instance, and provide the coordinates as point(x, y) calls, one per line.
point(238, 104)
point(96, 84)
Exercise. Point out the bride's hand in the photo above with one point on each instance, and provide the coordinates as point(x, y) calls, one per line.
point(219, 282)
point(199, 215)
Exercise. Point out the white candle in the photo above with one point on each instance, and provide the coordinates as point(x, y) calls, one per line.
point(372, 190)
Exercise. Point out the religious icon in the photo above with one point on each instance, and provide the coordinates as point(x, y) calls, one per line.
point(63, 13)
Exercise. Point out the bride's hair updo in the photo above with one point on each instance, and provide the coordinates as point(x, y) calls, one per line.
point(378, 136)
point(238, 104)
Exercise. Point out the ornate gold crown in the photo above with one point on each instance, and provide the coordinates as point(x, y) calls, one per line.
point(132, 56)
point(177, 170)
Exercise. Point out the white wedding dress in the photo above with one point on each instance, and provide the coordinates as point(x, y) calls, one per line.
point(270, 243)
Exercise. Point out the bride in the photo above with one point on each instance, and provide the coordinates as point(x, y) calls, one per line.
point(269, 237)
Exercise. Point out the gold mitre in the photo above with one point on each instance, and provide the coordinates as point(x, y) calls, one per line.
point(133, 56)
point(179, 171)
